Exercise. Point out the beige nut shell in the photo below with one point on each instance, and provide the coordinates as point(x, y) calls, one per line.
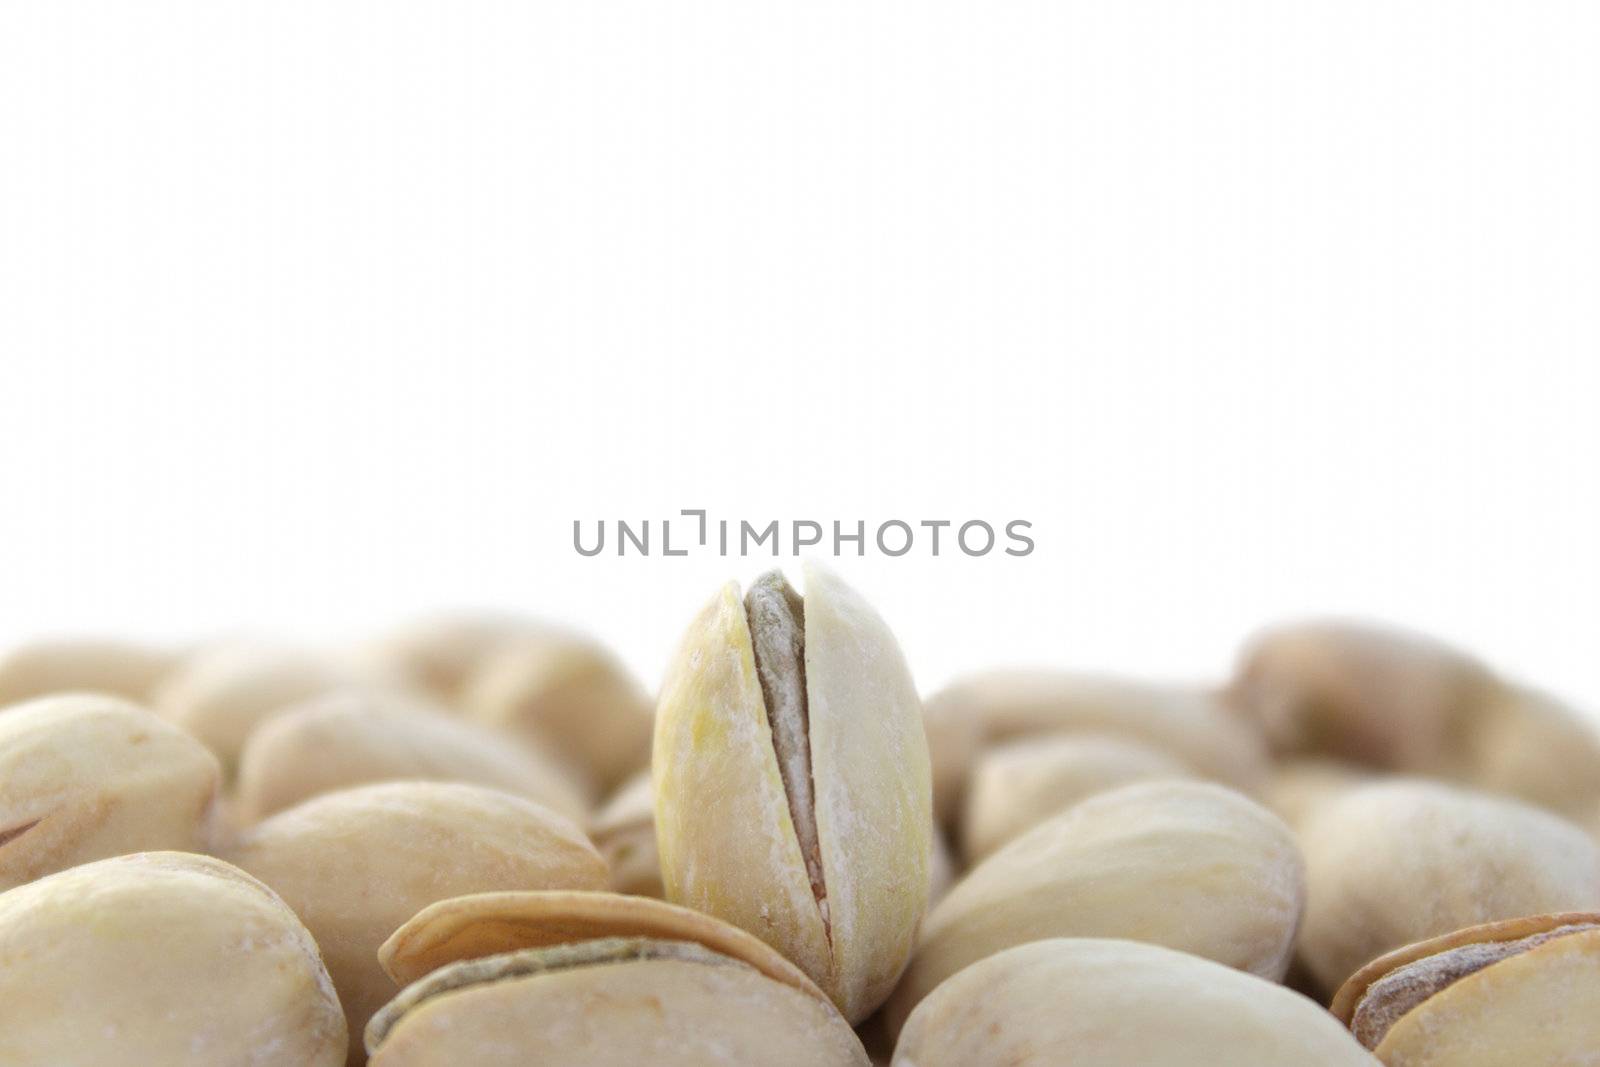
point(624, 831)
point(84, 777)
point(727, 840)
point(1105, 1003)
point(1190, 865)
point(81, 665)
point(161, 958)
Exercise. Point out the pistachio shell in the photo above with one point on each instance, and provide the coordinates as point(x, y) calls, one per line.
point(1099, 1003)
point(81, 665)
point(84, 777)
point(356, 864)
point(1189, 865)
point(350, 738)
point(1017, 785)
point(625, 833)
point(1529, 745)
point(439, 655)
point(1395, 862)
point(728, 841)
point(1299, 787)
point(161, 958)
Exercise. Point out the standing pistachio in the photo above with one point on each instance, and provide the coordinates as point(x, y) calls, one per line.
point(792, 782)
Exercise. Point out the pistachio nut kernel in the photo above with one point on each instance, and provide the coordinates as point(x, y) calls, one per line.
point(356, 864)
point(165, 959)
point(1107, 1003)
point(1189, 865)
point(792, 782)
point(1522, 991)
point(81, 665)
point(85, 777)
point(1399, 861)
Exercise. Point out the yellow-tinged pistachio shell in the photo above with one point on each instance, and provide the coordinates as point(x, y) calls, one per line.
point(1018, 784)
point(792, 790)
point(600, 1003)
point(355, 738)
point(1521, 991)
point(570, 696)
point(81, 665)
point(87, 776)
point(625, 833)
point(1190, 865)
point(1395, 862)
point(163, 959)
point(1185, 722)
point(356, 864)
point(1099, 1003)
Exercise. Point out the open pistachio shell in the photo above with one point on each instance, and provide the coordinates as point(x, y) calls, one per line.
point(164, 959)
point(792, 782)
point(87, 776)
point(1399, 861)
point(81, 665)
point(1189, 865)
point(1521, 991)
point(1100, 1003)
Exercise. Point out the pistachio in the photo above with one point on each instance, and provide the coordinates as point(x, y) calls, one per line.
point(625, 833)
point(84, 777)
point(1529, 745)
point(1521, 991)
point(596, 978)
point(1396, 862)
point(1101, 1003)
point(569, 696)
point(1300, 786)
point(792, 782)
point(1017, 785)
point(356, 864)
point(440, 654)
point(354, 738)
point(161, 958)
point(81, 665)
point(1190, 865)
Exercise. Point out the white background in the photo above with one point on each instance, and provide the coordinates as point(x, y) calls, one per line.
point(315, 315)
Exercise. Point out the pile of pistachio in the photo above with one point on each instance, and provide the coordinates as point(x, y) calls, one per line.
point(479, 843)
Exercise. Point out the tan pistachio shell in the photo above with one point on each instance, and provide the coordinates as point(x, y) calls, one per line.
point(87, 776)
point(1105, 1003)
point(728, 841)
point(1018, 784)
point(625, 833)
point(352, 738)
point(1190, 865)
point(1520, 991)
point(439, 654)
point(1301, 786)
point(164, 959)
point(356, 864)
point(1399, 861)
point(1529, 745)
point(82, 665)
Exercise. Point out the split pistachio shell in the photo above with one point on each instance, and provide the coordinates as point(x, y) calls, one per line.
point(1017, 785)
point(1190, 724)
point(455, 956)
point(571, 697)
point(164, 959)
point(85, 776)
point(1099, 1003)
point(1190, 865)
point(1399, 861)
point(356, 864)
point(792, 792)
point(222, 693)
point(1522, 991)
point(355, 738)
point(81, 665)
point(625, 833)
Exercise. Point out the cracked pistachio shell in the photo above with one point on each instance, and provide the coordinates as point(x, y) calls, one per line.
point(356, 864)
point(569, 696)
point(1396, 862)
point(1523, 991)
point(84, 777)
point(728, 838)
point(81, 665)
point(1189, 724)
point(1017, 785)
point(1190, 865)
point(164, 959)
point(625, 833)
point(487, 931)
point(354, 738)
point(1100, 1003)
